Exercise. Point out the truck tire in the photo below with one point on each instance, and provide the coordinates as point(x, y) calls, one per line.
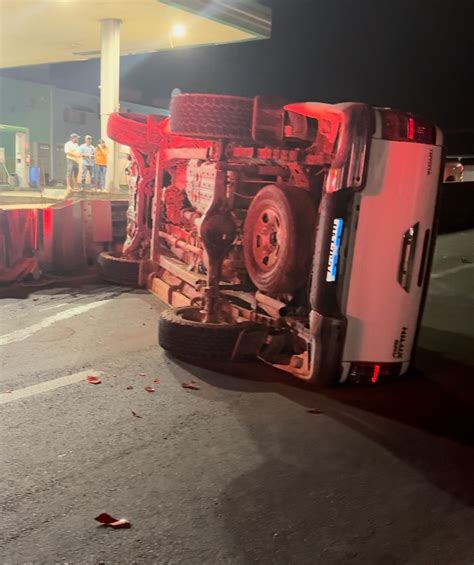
point(118, 270)
point(132, 129)
point(212, 116)
point(183, 334)
point(278, 239)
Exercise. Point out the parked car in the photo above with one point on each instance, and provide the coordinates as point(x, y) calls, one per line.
point(459, 168)
point(453, 171)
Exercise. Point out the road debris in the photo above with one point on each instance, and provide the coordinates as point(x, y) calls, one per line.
point(191, 385)
point(130, 387)
point(135, 414)
point(93, 380)
point(107, 520)
point(157, 381)
point(313, 411)
point(149, 389)
point(142, 374)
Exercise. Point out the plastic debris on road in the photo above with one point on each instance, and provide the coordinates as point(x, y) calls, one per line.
point(149, 389)
point(135, 414)
point(93, 380)
point(130, 387)
point(157, 381)
point(107, 520)
point(192, 385)
point(313, 411)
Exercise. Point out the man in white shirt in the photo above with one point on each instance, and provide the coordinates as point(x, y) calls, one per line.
point(88, 161)
point(71, 148)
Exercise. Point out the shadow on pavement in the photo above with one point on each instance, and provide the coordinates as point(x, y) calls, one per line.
point(425, 419)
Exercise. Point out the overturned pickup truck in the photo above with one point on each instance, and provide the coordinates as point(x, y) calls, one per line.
point(301, 233)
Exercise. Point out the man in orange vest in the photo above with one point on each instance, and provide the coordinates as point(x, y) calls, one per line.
point(101, 152)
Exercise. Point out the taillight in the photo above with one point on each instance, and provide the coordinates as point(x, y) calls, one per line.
point(372, 372)
point(400, 126)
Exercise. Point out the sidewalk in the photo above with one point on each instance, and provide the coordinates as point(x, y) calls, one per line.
point(46, 196)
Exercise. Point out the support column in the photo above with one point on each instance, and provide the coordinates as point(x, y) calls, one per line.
point(109, 92)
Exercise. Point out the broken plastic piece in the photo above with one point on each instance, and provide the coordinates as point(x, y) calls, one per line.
point(192, 385)
point(142, 374)
point(149, 389)
point(135, 414)
point(107, 520)
point(93, 380)
point(313, 411)
point(157, 381)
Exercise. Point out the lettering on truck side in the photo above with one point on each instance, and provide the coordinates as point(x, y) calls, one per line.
point(333, 261)
point(430, 162)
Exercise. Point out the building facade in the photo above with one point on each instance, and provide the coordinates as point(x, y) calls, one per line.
point(50, 114)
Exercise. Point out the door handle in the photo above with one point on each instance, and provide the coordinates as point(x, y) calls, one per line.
point(407, 259)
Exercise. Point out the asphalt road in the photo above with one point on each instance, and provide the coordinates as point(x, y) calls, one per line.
point(238, 471)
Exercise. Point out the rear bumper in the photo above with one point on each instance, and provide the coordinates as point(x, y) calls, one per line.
point(328, 336)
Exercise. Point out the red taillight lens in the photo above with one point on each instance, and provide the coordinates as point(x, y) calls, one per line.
point(373, 372)
point(400, 126)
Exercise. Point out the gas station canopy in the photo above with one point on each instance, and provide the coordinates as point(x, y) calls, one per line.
point(37, 32)
point(52, 31)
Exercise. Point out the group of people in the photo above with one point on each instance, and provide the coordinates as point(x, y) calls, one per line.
point(93, 159)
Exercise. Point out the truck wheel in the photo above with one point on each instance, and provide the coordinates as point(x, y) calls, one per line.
point(182, 333)
point(132, 129)
point(118, 270)
point(278, 239)
point(212, 116)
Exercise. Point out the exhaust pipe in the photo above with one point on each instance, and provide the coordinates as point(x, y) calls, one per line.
point(272, 306)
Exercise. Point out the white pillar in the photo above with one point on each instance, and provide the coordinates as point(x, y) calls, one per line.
point(109, 92)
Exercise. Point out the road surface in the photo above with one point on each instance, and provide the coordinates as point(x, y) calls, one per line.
point(238, 471)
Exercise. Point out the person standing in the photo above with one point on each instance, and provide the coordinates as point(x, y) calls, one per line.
point(101, 153)
point(88, 161)
point(71, 148)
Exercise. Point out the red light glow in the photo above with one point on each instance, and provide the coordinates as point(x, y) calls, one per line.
point(411, 128)
point(375, 374)
point(35, 227)
point(47, 222)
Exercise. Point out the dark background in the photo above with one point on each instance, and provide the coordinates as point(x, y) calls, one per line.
point(416, 55)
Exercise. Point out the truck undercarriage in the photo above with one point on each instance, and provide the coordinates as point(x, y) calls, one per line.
point(222, 219)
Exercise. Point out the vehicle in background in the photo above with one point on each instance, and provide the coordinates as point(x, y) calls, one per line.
point(459, 168)
point(453, 171)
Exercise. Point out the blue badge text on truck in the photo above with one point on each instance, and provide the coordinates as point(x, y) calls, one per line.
point(333, 261)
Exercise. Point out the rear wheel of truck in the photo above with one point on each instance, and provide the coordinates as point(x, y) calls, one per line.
point(278, 239)
point(183, 333)
point(212, 116)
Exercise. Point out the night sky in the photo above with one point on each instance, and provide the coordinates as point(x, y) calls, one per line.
point(416, 55)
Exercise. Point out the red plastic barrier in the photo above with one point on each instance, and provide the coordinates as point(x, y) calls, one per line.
point(18, 241)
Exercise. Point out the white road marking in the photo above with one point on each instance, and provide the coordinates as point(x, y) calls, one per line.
point(47, 386)
point(452, 271)
point(52, 307)
point(24, 333)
